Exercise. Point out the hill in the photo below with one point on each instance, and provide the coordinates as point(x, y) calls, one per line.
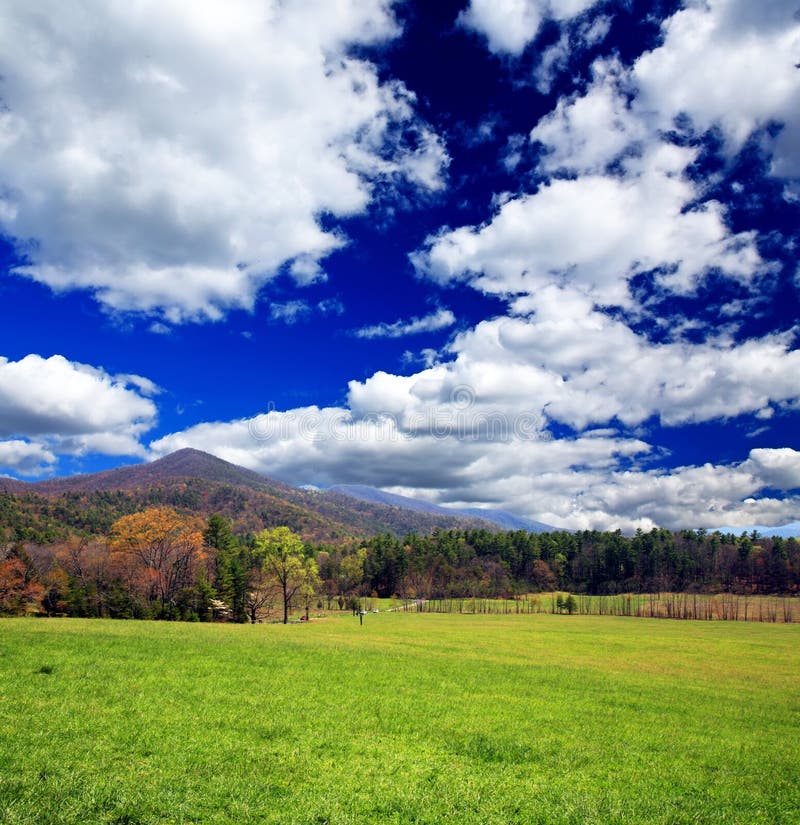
point(500, 518)
point(193, 481)
point(183, 464)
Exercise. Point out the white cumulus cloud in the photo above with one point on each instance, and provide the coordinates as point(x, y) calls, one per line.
point(628, 205)
point(595, 232)
point(731, 64)
point(25, 458)
point(778, 467)
point(509, 25)
point(68, 407)
point(173, 158)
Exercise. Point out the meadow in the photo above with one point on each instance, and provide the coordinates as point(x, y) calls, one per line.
point(726, 607)
point(408, 718)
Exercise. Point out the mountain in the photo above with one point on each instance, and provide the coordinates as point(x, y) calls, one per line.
point(364, 493)
point(506, 520)
point(500, 518)
point(183, 464)
point(200, 483)
point(786, 532)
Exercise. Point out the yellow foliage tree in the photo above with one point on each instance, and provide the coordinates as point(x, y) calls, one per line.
point(281, 552)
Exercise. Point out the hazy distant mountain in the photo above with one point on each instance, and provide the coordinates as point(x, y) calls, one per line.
point(500, 518)
point(364, 493)
point(787, 531)
point(506, 520)
point(197, 482)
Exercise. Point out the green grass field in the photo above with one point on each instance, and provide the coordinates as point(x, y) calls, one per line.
point(407, 719)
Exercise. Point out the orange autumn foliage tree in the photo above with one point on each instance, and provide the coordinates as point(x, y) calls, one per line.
point(19, 589)
point(158, 553)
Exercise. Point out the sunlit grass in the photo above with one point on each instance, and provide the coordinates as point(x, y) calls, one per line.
point(404, 719)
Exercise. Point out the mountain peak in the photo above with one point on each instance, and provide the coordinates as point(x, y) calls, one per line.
point(191, 463)
point(182, 464)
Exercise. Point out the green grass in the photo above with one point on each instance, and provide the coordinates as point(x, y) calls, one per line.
point(406, 719)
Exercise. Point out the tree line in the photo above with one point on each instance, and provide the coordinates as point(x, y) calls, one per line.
point(159, 563)
point(480, 563)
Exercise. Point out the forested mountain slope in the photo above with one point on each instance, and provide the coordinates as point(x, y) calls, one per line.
point(194, 481)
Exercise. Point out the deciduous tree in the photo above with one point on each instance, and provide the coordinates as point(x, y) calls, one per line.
point(19, 588)
point(165, 548)
point(262, 593)
point(351, 575)
point(282, 557)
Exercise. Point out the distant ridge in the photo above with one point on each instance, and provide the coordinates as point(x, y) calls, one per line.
point(364, 493)
point(506, 520)
point(500, 518)
point(787, 531)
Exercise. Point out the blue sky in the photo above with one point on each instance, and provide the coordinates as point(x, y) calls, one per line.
point(530, 254)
